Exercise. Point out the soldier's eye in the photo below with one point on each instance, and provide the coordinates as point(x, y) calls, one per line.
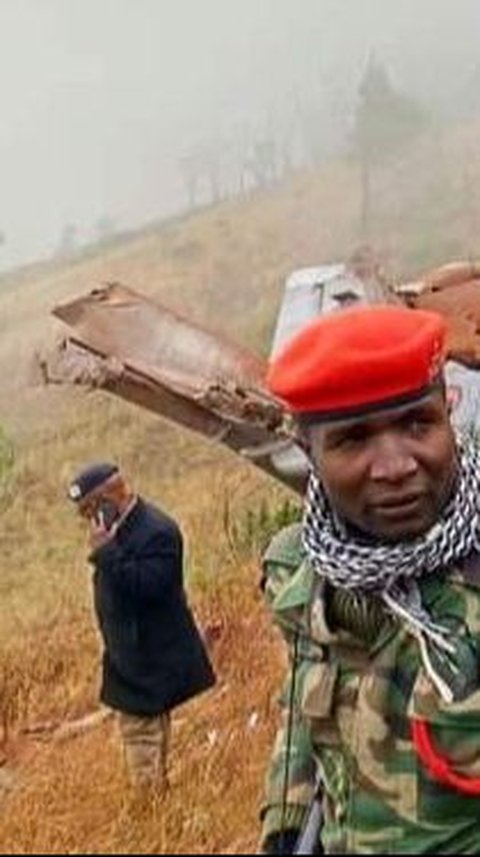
point(354, 437)
point(418, 425)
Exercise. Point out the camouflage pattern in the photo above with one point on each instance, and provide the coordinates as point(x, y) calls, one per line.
point(301, 764)
point(357, 689)
point(301, 772)
point(288, 589)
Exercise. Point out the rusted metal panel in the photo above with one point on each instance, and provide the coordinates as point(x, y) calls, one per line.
point(454, 291)
point(122, 323)
point(143, 352)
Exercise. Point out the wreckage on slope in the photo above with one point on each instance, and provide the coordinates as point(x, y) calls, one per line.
point(134, 347)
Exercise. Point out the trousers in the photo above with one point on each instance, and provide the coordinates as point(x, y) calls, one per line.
point(145, 745)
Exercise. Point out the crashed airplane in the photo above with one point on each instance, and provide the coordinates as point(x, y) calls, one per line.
point(134, 347)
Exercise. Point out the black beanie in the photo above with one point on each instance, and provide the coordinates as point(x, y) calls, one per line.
point(89, 479)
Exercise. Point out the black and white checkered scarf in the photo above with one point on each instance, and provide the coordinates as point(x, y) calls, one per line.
point(390, 570)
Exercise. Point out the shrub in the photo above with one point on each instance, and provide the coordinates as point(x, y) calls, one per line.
point(252, 531)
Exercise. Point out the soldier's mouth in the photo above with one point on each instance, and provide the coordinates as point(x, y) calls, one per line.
point(405, 506)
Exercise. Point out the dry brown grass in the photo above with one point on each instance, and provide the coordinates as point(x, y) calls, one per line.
point(72, 797)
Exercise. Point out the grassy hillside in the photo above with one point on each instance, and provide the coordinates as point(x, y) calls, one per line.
point(73, 796)
point(225, 266)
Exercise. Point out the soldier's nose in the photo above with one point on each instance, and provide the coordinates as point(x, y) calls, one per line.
point(392, 462)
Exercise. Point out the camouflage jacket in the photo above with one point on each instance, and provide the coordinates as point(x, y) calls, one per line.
point(357, 689)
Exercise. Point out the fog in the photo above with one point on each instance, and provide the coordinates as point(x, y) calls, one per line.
point(101, 99)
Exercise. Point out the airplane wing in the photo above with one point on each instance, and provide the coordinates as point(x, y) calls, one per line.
point(136, 348)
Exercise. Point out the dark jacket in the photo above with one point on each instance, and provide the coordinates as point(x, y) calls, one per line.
point(154, 657)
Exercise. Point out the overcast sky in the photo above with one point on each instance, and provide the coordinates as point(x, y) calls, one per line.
point(100, 97)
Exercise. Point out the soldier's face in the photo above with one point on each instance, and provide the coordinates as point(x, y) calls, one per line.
point(389, 474)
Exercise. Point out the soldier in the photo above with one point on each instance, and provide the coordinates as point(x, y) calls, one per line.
point(378, 594)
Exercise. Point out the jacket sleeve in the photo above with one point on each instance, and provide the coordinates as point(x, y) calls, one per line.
point(279, 565)
point(300, 783)
point(149, 573)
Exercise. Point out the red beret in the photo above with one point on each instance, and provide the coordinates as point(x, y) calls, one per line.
point(359, 359)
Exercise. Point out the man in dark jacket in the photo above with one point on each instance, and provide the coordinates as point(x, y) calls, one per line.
point(154, 658)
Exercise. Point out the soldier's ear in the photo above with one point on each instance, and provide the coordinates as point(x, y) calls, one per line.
point(452, 396)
